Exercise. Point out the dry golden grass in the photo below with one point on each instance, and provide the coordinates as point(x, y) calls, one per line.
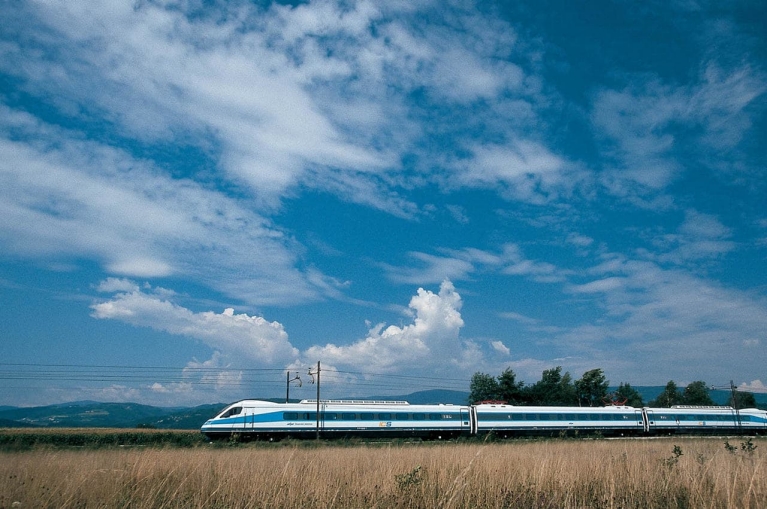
point(552, 474)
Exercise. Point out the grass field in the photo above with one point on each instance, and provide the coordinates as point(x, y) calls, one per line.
point(659, 473)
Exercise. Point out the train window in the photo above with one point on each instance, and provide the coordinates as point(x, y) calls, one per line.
point(290, 416)
point(419, 417)
point(329, 416)
point(400, 417)
point(594, 417)
point(384, 417)
point(310, 416)
point(544, 417)
point(516, 417)
point(367, 416)
point(348, 417)
point(232, 411)
point(435, 417)
point(570, 417)
point(531, 417)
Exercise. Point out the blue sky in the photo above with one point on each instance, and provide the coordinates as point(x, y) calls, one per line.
point(198, 196)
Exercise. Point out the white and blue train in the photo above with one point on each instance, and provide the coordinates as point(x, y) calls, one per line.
point(265, 420)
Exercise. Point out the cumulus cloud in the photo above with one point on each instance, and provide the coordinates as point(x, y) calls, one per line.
point(432, 339)
point(499, 347)
point(754, 386)
point(239, 336)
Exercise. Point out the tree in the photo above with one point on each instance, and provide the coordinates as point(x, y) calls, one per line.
point(743, 400)
point(592, 388)
point(483, 387)
point(696, 393)
point(509, 389)
point(553, 389)
point(669, 397)
point(630, 395)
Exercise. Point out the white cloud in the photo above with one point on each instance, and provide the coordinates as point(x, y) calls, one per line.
point(599, 286)
point(527, 170)
point(640, 127)
point(431, 340)
point(517, 317)
point(701, 236)
point(754, 386)
point(67, 198)
point(461, 264)
point(666, 324)
point(499, 347)
point(236, 336)
point(433, 270)
point(113, 285)
point(579, 240)
point(315, 94)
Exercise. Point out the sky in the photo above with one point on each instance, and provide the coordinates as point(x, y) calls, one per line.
point(199, 199)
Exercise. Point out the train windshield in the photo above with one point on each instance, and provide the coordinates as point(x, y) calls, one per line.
point(232, 411)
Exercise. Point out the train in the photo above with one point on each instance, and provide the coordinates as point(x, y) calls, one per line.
point(265, 420)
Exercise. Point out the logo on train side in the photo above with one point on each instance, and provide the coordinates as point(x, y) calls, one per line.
point(384, 424)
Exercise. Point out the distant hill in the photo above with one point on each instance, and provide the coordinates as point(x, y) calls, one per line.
point(113, 415)
point(190, 418)
point(7, 423)
point(430, 397)
point(82, 414)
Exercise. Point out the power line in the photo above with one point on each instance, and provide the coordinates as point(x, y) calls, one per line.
point(222, 377)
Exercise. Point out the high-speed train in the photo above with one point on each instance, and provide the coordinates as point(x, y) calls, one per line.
point(380, 419)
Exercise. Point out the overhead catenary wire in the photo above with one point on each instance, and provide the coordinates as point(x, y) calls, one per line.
point(214, 377)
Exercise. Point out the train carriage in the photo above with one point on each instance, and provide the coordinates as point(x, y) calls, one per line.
point(508, 420)
point(686, 419)
point(339, 418)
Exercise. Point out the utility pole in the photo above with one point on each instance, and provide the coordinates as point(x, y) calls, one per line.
point(318, 396)
point(287, 385)
point(735, 404)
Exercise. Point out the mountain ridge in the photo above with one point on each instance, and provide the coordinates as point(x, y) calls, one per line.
point(87, 414)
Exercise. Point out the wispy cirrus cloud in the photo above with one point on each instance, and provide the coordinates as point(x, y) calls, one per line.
point(64, 197)
point(647, 128)
point(462, 264)
point(317, 94)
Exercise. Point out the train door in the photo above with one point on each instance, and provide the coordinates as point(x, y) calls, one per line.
point(639, 420)
point(465, 420)
point(469, 414)
point(648, 419)
point(250, 418)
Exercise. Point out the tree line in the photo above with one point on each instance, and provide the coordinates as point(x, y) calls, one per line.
point(559, 389)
